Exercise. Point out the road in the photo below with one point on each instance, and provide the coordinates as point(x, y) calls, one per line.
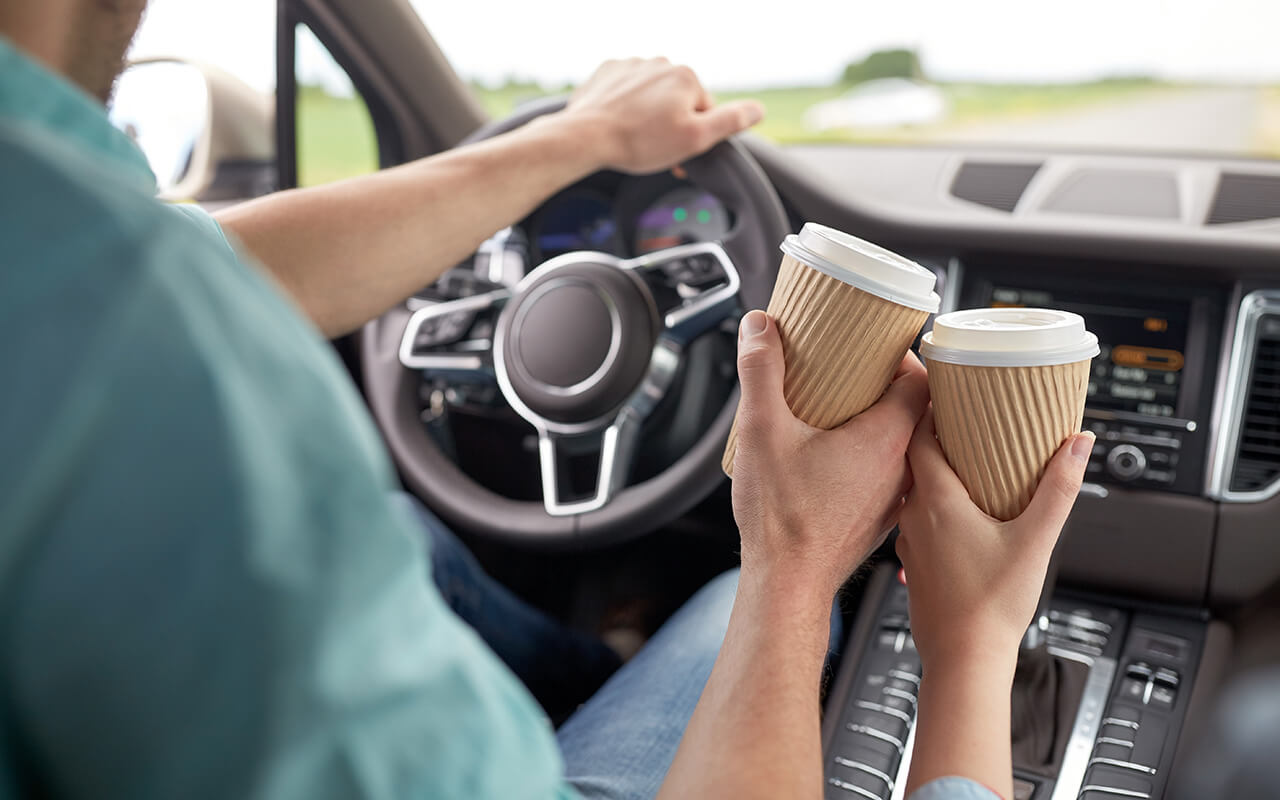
point(1221, 120)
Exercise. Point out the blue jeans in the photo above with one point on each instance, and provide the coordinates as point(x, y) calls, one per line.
point(619, 744)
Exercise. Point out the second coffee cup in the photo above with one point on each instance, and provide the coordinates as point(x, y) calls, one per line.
point(847, 311)
point(1008, 387)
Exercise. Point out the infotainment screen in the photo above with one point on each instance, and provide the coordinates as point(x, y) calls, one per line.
point(1143, 343)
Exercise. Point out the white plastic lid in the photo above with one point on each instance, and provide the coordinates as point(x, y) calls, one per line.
point(864, 265)
point(1009, 337)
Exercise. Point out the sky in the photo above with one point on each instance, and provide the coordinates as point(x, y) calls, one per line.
point(733, 46)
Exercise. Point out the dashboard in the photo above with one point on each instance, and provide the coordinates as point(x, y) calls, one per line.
point(626, 218)
point(1179, 518)
point(1182, 499)
point(1183, 488)
point(622, 215)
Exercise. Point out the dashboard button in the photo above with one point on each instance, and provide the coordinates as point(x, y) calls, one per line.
point(444, 329)
point(854, 790)
point(1162, 697)
point(1133, 689)
point(890, 721)
point(872, 784)
point(1115, 752)
point(850, 748)
point(1167, 677)
point(899, 685)
point(1126, 462)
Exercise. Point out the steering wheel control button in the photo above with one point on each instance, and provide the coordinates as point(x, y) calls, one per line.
point(695, 270)
point(1126, 462)
point(444, 329)
point(576, 341)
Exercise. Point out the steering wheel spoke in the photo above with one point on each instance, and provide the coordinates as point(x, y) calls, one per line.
point(454, 339)
point(614, 444)
point(614, 447)
point(696, 287)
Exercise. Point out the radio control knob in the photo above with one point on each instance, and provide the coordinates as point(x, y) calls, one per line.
point(1126, 462)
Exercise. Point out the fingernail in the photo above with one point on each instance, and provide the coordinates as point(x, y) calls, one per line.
point(1082, 445)
point(753, 324)
point(755, 113)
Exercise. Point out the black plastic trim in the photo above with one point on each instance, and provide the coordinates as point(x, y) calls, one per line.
point(994, 184)
point(1242, 197)
point(286, 96)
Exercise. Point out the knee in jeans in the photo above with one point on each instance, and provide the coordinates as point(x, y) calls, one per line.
point(709, 608)
point(723, 587)
point(442, 546)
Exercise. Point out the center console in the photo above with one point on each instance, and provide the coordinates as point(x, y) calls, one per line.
point(1099, 706)
point(1120, 722)
point(1151, 387)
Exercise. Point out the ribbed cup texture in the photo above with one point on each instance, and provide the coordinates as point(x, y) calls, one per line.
point(999, 426)
point(842, 346)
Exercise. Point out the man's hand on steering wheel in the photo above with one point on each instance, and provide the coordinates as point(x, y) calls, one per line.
point(652, 114)
point(540, 341)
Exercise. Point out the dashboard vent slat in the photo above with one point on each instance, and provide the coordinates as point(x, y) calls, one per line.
point(1244, 198)
point(994, 184)
point(1257, 463)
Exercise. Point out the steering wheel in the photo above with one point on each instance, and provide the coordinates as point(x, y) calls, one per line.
point(583, 348)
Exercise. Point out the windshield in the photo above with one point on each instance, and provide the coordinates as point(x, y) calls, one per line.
point(1187, 76)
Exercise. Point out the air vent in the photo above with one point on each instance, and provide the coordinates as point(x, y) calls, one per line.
point(993, 184)
point(1242, 197)
point(1257, 463)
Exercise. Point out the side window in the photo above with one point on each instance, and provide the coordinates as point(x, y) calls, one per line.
point(233, 43)
point(335, 134)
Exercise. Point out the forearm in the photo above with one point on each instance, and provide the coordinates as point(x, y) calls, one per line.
point(348, 251)
point(963, 724)
point(755, 731)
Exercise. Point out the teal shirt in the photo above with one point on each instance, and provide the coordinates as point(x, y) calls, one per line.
point(205, 590)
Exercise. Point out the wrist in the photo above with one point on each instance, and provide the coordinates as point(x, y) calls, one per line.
point(789, 602)
point(975, 660)
point(591, 136)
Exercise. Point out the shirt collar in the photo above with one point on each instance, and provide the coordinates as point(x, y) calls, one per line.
point(32, 95)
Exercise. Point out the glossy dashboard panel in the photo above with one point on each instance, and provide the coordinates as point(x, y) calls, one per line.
point(621, 215)
point(626, 217)
point(1151, 387)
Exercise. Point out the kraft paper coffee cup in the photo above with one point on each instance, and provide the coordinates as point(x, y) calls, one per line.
point(847, 311)
point(1008, 388)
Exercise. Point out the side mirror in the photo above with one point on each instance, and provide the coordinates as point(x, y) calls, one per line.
point(207, 135)
point(164, 107)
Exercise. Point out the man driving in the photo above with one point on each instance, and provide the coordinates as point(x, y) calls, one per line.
point(210, 587)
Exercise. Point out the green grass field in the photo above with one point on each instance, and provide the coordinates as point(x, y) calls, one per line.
point(336, 139)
